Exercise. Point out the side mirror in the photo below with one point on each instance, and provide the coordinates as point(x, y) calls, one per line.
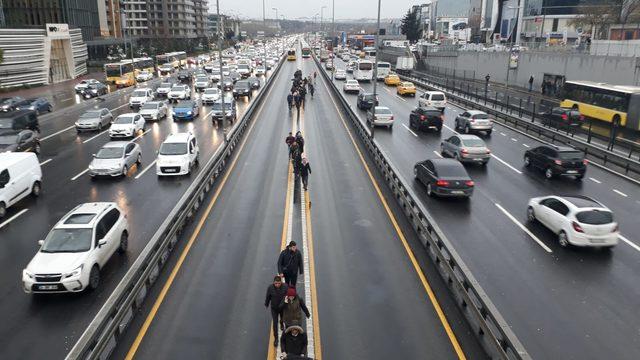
point(93, 155)
point(40, 242)
point(102, 242)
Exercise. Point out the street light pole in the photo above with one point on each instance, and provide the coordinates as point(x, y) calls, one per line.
point(264, 39)
point(333, 21)
point(375, 67)
point(321, 16)
point(220, 31)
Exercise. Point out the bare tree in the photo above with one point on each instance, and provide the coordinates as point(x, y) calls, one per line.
point(597, 17)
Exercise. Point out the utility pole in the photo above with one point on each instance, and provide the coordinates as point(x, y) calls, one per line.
point(220, 34)
point(375, 67)
point(321, 16)
point(333, 21)
point(264, 39)
point(124, 26)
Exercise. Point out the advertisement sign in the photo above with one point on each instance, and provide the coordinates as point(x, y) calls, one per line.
point(513, 58)
point(57, 31)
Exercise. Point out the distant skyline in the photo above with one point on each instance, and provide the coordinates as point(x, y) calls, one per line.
point(345, 9)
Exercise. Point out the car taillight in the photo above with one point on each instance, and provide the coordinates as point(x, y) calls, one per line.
point(585, 162)
point(442, 183)
point(558, 162)
point(422, 117)
point(442, 117)
point(464, 151)
point(581, 117)
point(391, 118)
point(577, 227)
point(469, 183)
point(615, 228)
point(488, 151)
point(564, 117)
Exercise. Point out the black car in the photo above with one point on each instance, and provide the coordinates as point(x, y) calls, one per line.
point(19, 120)
point(365, 100)
point(242, 88)
point(94, 90)
point(563, 117)
point(39, 105)
point(556, 161)
point(12, 103)
point(255, 82)
point(444, 177)
point(227, 84)
point(19, 141)
point(426, 117)
point(229, 109)
point(184, 77)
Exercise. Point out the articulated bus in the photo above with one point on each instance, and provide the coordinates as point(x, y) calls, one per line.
point(609, 103)
point(363, 70)
point(176, 59)
point(123, 73)
point(144, 64)
point(291, 55)
point(306, 52)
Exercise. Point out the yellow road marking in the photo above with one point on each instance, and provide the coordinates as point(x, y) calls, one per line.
point(416, 266)
point(165, 289)
point(312, 275)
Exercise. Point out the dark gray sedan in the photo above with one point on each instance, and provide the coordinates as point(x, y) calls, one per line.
point(115, 158)
point(94, 120)
point(19, 141)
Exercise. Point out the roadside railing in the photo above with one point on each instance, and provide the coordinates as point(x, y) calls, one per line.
point(106, 329)
point(619, 155)
point(490, 328)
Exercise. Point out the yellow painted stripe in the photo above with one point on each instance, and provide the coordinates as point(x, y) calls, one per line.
point(312, 275)
point(165, 289)
point(405, 244)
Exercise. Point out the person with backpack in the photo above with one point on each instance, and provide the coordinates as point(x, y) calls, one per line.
point(290, 264)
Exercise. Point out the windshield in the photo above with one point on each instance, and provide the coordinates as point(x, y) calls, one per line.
point(165, 85)
point(437, 97)
point(124, 120)
point(383, 111)
point(202, 79)
point(91, 114)
point(595, 217)
point(480, 116)
point(473, 142)
point(242, 85)
point(173, 149)
point(218, 105)
point(177, 88)
point(150, 106)
point(8, 139)
point(184, 105)
point(452, 171)
point(570, 155)
point(365, 66)
point(139, 93)
point(211, 91)
point(110, 153)
point(67, 240)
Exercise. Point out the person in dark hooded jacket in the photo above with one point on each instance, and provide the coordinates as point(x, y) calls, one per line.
point(294, 341)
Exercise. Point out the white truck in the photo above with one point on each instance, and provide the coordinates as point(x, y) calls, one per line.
point(404, 64)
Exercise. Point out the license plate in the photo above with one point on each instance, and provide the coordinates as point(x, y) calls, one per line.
point(170, 170)
point(572, 172)
point(47, 287)
point(596, 241)
point(457, 192)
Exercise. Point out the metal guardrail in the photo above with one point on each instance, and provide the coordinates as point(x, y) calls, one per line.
point(490, 328)
point(101, 336)
point(505, 114)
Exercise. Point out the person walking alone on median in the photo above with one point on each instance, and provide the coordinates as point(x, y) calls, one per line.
point(290, 264)
point(292, 307)
point(531, 83)
point(305, 170)
point(294, 341)
point(276, 293)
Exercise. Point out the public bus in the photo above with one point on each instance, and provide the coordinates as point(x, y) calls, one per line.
point(363, 70)
point(306, 52)
point(115, 71)
point(291, 55)
point(144, 64)
point(176, 59)
point(609, 103)
point(369, 52)
point(384, 68)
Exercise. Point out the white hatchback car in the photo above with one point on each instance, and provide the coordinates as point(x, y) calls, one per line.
point(144, 76)
point(178, 154)
point(340, 75)
point(140, 97)
point(76, 249)
point(351, 86)
point(126, 125)
point(577, 220)
point(435, 99)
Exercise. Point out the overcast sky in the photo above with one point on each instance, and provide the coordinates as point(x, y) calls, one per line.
point(345, 9)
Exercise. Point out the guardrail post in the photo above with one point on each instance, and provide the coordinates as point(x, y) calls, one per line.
point(495, 102)
point(509, 103)
point(589, 133)
point(469, 90)
point(520, 109)
point(533, 113)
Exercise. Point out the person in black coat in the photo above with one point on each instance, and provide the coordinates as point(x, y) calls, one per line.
point(305, 170)
point(290, 264)
point(294, 341)
point(275, 295)
point(300, 141)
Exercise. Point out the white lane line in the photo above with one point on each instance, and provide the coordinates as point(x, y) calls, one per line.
point(455, 132)
point(6, 222)
point(93, 137)
point(389, 91)
point(401, 98)
point(58, 133)
point(437, 153)
point(503, 134)
point(145, 170)
point(77, 176)
point(67, 99)
point(629, 242)
point(141, 135)
point(119, 107)
point(46, 162)
point(411, 131)
point(524, 228)
point(620, 193)
point(525, 145)
point(595, 180)
point(506, 164)
point(514, 139)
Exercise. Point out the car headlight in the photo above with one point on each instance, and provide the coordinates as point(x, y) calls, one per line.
point(75, 273)
point(94, 91)
point(26, 273)
point(189, 113)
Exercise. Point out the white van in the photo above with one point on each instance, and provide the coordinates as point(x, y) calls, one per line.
point(435, 99)
point(178, 154)
point(384, 68)
point(20, 175)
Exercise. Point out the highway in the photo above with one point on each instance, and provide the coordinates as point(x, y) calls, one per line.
point(561, 303)
point(372, 299)
point(52, 323)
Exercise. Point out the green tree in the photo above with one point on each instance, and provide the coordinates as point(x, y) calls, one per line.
point(410, 26)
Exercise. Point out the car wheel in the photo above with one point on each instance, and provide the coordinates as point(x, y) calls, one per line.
point(563, 239)
point(467, 129)
point(429, 190)
point(411, 123)
point(457, 156)
point(527, 161)
point(548, 173)
point(94, 278)
point(139, 160)
point(3, 210)
point(99, 127)
point(124, 242)
point(442, 152)
point(50, 108)
point(125, 171)
point(415, 172)
point(439, 129)
point(531, 215)
point(36, 149)
point(36, 189)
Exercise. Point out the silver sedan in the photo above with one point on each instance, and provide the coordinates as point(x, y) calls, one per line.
point(115, 158)
point(466, 149)
point(94, 120)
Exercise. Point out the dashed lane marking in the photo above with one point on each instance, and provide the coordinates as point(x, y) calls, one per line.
point(145, 170)
point(411, 131)
point(77, 176)
point(620, 193)
point(629, 242)
point(525, 145)
point(46, 162)
point(506, 164)
point(94, 137)
point(595, 180)
point(58, 133)
point(524, 228)
point(9, 220)
point(437, 153)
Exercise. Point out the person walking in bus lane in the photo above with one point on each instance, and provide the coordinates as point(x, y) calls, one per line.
point(294, 342)
point(275, 295)
point(305, 170)
point(292, 307)
point(290, 264)
point(531, 83)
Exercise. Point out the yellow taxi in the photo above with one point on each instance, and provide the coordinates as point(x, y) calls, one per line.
point(124, 81)
point(406, 88)
point(392, 79)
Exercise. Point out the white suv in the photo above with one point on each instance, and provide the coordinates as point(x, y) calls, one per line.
point(78, 246)
point(577, 220)
point(177, 155)
point(435, 99)
point(140, 97)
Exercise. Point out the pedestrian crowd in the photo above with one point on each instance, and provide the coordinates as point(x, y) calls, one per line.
point(298, 93)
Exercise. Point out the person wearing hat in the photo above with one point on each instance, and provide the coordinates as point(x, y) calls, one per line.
point(294, 341)
point(292, 307)
point(290, 264)
point(275, 295)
